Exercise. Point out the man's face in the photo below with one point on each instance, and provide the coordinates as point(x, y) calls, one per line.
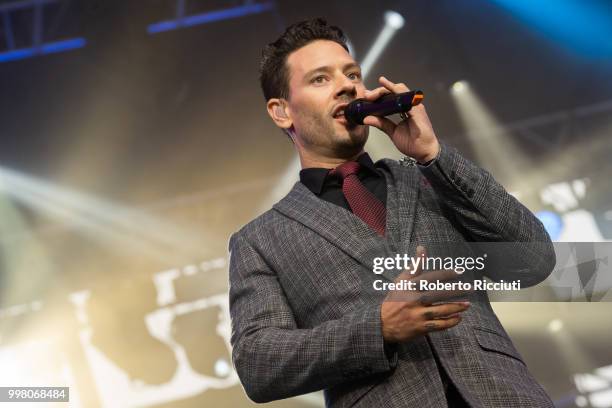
point(323, 78)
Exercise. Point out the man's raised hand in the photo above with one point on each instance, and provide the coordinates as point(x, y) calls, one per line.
point(414, 136)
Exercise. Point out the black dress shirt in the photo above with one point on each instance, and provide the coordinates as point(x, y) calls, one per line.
point(330, 188)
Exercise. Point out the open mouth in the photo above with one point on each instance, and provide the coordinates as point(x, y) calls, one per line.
point(341, 118)
point(339, 114)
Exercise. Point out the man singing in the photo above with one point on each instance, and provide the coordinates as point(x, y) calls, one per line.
point(303, 317)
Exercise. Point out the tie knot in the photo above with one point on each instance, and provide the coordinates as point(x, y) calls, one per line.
point(346, 169)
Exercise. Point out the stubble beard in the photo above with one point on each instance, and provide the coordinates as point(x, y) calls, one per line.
point(321, 134)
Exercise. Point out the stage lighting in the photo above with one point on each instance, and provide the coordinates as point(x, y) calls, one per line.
point(579, 26)
point(394, 19)
point(495, 148)
point(553, 223)
point(459, 86)
point(127, 228)
point(555, 325)
point(581, 401)
point(393, 22)
point(222, 368)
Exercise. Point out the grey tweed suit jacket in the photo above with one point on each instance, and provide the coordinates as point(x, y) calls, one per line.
point(302, 320)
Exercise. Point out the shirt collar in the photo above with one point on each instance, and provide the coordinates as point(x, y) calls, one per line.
point(314, 178)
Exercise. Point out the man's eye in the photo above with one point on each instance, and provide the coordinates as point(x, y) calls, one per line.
point(354, 75)
point(319, 79)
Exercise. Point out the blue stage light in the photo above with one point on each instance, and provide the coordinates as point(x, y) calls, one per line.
point(552, 223)
point(582, 26)
point(46, 48)
point(209, 17)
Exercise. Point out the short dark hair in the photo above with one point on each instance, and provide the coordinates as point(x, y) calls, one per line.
point(274, 73)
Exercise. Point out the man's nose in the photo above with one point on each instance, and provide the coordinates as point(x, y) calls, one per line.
point(346, 87)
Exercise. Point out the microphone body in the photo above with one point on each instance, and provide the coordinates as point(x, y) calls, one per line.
point(386, 105)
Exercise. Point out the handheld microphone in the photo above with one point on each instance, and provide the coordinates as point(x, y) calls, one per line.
point(386, 105)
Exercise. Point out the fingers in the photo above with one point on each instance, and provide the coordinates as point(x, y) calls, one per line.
point(420, 252)
point(442, 317)
point(441, 286)
point(384, 124)
point(430, 297)
point(442, 275)
point(372, 95)
point(438, 325)
point(405, 274)
point(393, 87)
point(409, 274)
point(444, 311)
point(386, 88)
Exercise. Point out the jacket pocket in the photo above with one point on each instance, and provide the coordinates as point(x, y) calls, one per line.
point(490, 340)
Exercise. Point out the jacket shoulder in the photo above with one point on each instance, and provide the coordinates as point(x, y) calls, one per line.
point(258, 228)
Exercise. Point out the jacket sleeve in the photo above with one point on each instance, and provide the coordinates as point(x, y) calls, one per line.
point(516, 242)
point(273, 357)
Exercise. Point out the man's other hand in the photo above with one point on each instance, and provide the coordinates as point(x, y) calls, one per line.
point(406, 314)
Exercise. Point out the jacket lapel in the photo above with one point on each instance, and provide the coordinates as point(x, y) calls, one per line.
point(337, 225)
point(347, 231)
point(402, 196)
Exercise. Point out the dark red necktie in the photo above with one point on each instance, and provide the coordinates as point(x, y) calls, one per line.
point(363, 203)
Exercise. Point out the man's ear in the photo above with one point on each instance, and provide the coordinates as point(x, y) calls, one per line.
point(279, 112)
